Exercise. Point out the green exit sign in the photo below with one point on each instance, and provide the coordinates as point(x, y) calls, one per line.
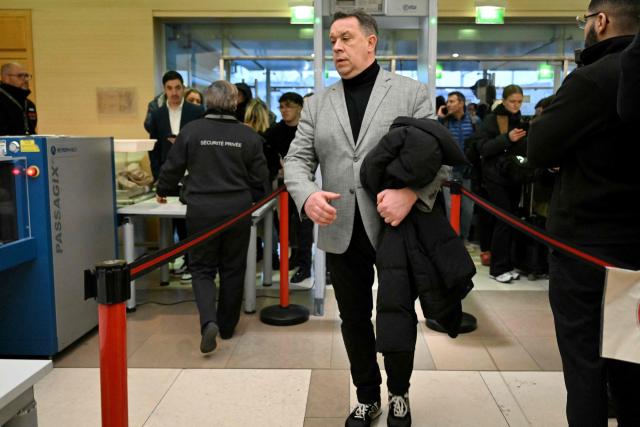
point(489, 15)
point(545, 72)
point(302, 15)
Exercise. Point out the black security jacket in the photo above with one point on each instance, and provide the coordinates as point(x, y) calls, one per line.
point(223, 157)
point(596, 197)
point(422, 257)
point(629, 92)
point(17, 113)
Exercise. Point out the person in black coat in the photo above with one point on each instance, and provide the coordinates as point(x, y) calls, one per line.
point(17, 113)
point(166, 121)
point(629, 91)
point(164, 125)
point(595, 205)
point(501, 136)
point(279, 136)
point(227, 173)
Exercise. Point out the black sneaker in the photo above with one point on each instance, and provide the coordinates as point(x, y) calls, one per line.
point(208, 342)
point(363, 414)
point(301, 275)
point(399, 412)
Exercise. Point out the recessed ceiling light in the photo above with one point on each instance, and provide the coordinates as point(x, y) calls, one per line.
point(455, 55)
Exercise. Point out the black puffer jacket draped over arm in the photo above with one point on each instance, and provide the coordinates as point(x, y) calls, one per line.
point(422, 257)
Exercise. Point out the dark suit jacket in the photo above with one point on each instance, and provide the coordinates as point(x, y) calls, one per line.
point(160, 129)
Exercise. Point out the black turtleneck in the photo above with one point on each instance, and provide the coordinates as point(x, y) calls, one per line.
point(357, 91)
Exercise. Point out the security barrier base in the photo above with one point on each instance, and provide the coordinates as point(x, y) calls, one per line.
point(284, 316)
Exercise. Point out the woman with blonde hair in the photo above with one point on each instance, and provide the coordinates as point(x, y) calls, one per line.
point(257, 116)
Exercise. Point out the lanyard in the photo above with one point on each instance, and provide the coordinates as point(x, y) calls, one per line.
point(22, 108)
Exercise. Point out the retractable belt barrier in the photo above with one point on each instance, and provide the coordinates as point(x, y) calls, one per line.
point(150, 262)
point(457, 190)
point(109, 284)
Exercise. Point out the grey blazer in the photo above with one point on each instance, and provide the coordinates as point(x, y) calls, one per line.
point(324, 139)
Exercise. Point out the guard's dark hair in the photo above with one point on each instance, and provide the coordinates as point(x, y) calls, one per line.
point(367, 22)
point(626, 12)
point(292, 97)
point(459, 95)
point(171, 75)
point(511, 90)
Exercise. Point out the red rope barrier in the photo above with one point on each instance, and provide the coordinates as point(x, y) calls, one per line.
point(534, 232)
point(144, 266)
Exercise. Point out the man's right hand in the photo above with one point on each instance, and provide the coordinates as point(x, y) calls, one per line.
point(317, 207)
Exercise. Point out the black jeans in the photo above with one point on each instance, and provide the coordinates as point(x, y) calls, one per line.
point(575, 293)
point(485, 224)
point(352, 275)
point(301, 236)
point(506, 198)
point(225, 254)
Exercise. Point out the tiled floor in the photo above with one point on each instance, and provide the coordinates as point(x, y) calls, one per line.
point(506, 373)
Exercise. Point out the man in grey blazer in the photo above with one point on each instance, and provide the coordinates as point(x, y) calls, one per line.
point(339, 126)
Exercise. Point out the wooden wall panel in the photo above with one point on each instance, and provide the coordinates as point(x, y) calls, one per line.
point(16, 41)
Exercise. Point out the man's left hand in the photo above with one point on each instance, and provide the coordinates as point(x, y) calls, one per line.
point(395, 205)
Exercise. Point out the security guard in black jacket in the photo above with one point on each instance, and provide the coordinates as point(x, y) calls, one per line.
point(17, 113)
point(227, 173)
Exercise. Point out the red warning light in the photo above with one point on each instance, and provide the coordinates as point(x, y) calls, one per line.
point(15, 171)
point(33, 171)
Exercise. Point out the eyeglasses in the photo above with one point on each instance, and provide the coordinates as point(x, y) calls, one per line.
point(582, 20)
point(23, 76)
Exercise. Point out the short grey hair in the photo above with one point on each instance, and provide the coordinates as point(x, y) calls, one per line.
point(221, 95)
point(367, 22)
point(6, 68)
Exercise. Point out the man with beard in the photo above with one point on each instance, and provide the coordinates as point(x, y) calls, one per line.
point(594, 205)
point(17, 113)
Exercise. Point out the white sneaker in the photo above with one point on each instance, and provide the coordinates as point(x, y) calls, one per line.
point(185, 278)
point(503, 278)
point(514, 275)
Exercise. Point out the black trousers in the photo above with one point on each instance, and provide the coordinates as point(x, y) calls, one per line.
point(485, 224)
point(575, 293)
point(352, 275)
point(301, 237)
point(506, 198)
point(225, 254)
